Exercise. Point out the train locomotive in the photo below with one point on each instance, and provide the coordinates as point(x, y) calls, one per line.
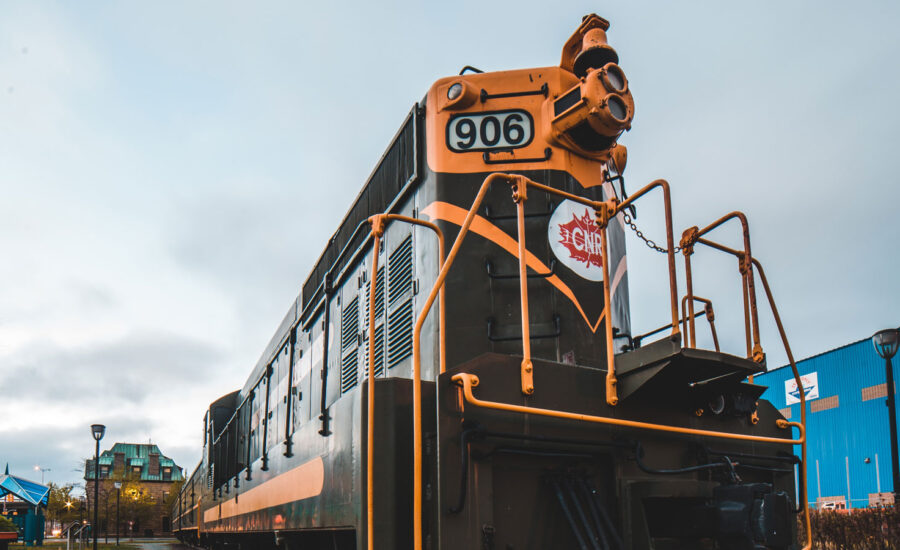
point(459, 370)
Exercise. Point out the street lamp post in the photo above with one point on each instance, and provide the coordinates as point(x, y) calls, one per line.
point(42, 470)
point(886, 343)
point(97, 430)
point(118, 489)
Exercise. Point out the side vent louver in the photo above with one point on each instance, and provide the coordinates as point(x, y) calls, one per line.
point(379, 298)
point(400, 270)
point(400, 326)
point(348, 372)
point(379, 352)
point(350, 323)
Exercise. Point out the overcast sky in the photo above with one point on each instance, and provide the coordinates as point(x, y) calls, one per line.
point(170, 170)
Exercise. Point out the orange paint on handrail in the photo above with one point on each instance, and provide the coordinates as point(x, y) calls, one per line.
point(694, 235)
point(468, 381)
point(520, 195)
point(787, 349)
point(378, 223)
point(707, 311)
point(417, 354)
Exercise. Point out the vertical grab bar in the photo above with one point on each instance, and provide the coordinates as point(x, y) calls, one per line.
point(520, 195)
point(379, 223)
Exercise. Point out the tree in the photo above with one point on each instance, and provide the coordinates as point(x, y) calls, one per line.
point(62, 506)
point(137, 503)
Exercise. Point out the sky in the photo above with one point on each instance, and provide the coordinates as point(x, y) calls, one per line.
point(169, 172)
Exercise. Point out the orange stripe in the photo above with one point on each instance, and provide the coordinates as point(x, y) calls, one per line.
point(454, 214)
point(302, 482)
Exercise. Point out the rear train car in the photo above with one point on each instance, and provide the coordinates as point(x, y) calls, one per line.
point(512, 405)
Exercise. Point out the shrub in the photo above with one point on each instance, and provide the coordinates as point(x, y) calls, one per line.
point(7, 526)
point(859, 529)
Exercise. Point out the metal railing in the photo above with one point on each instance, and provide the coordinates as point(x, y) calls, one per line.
point(605, 211)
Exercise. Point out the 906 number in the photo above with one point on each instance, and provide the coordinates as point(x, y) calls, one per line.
point(488, 131)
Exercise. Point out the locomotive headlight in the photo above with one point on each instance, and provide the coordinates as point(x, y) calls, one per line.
point(613, 78)
point(589, 117)
point(617, 108)
point(717, 404)
point(456, 94)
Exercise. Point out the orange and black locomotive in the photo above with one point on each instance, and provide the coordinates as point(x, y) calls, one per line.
point(459, 370)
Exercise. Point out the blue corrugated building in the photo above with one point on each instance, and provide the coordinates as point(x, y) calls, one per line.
point(848, 439)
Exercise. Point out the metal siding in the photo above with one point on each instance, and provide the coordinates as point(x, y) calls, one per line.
point(856, 429)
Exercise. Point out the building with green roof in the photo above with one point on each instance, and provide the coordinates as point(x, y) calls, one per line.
point(146, 478)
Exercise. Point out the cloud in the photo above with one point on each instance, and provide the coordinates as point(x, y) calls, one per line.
point(134, 369)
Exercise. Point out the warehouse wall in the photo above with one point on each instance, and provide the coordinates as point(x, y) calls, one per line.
point(846, 425)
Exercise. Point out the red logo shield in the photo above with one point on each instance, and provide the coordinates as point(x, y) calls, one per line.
point(581, 237)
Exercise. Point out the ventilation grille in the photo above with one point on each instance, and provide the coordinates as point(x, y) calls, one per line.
point(348, 372)
point(400, 268)
point(379, 352)
point(350, 323)
point(400, 327)
point(379, 297)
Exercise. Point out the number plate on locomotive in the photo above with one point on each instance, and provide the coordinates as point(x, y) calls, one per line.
point(490, 131)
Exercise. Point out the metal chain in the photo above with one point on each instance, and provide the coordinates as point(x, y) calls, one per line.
point(628, 221)
point(649, 242)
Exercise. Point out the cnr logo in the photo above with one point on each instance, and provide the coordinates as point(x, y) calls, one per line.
point(575, 240)
point(582, 237)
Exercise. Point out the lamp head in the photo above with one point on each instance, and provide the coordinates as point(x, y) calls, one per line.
point(886, 342)
point(98, 430)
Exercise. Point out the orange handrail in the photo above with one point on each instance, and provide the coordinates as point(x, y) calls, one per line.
point(417, 354)
point(670, 240)
point(520, 195)
point(379, 224)
point(468, 381)
point(377, 231)
point(693, 235)
point(605, 211)
point(707, 312)
point(787, 349)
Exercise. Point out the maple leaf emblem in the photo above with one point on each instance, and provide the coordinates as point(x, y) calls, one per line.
point(581, 237)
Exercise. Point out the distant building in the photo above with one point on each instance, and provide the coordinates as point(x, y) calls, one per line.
point(146, 478)
point(847, 431)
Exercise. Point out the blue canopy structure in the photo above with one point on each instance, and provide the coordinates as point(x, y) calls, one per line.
point(28, 491)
